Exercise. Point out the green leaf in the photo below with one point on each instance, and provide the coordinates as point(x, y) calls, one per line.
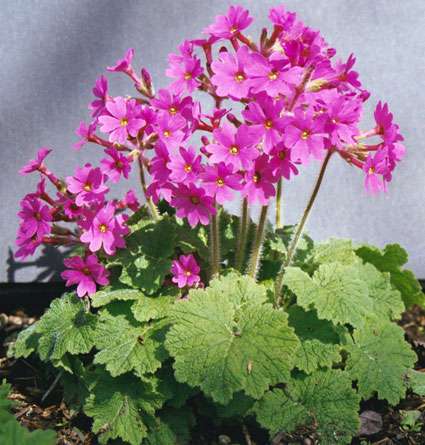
point(26, 343)
point(416, 381)
point(171, 427)
point(224, 340)
point(125, 346)
point(379, 360)
point(391, 259)
point(118, 406)
point(324, 401)
point(319, 340)
point(335, 251)
point(335, 291)
point(12, 433)
point(147, 259)
point(154, 308)
point(65, 327)
point(387, 301)
point(109, 294)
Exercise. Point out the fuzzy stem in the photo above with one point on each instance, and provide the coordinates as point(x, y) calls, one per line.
point(279, 204)
point(300, 228)
point(242, 236)
point(152, 207)
point(254, 260)
point(215, 246)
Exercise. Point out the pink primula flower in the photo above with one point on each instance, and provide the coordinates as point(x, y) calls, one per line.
point(259, 182)
point(185, 271)
point(85, 132)
point(122, 121)
point(105, 230)
point(123, 64)
point(228, 26)
point(100, 90)
point(192, 203)
point(184, 165)
point(116, 165)
point(86, 273)
point(170, 129)
point(88, 185)
point(220, 182)
point(36, 218)
point(230, 75)
point(281, 162)
point(185, 72)
point(37, 163)
point(233, 146)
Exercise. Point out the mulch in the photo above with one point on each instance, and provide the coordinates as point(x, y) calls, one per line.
point(30, 379)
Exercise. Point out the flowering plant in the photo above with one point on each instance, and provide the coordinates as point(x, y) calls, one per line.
point(180, 301)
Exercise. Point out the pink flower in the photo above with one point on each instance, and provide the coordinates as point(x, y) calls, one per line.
point(185, 72)
point(233, 146)
point(116, 165)
point(131, 201)
point(85, 132)
point(123, 64)
point(158, 165)
point(185, 271)
point(259, 182)
point(105, 230)
point(280, 17)
point(170, 129)
point(230, 75)
point(100, 90)
point(220, 182)
point(88, 185)
point(227, 26)
point(305, 136)
point(375, 171)
point(173, 103)
point(274, 76)
point(264, 116)
point(37, 163)
point(384, 124)
point(122, 121)
point(184, 165)
point(281, 163)
point(36, 218)
point(86, 273)
point(27, 246)
point(71, 209)
point(192, 203)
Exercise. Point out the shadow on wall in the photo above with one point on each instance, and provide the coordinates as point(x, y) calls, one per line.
point(50, 264)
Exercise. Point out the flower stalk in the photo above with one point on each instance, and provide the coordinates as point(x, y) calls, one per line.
point(300, 228)
point(152, 207)
point(215, 246)
point(278, 220)
point(254, 260)
point(242, 236)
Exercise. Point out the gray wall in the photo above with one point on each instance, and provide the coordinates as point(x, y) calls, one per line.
point(52, 51)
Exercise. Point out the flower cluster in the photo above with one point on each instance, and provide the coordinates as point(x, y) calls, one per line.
point(277, 103)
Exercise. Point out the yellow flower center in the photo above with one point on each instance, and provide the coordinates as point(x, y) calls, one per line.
point(87, 187)
point(371, 171)
point(167, 133)
point(268, 124)
point(86, 271)
point(219, 182)
point(124, 122)
point(273, 75)
point(187, 168)
point(239, 77)
point(188, 273)
point(256, 178)
point(103, 228)
point(195, 200)
point(187, 76)
point(233, 29)
point(305, 135)
point(282, 155)
point(172, 110)
point(234, 150)
point(118, 164)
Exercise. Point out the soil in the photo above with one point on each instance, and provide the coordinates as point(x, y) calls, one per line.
point(39, 405)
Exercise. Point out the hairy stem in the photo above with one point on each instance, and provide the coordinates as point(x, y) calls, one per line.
point(254, 260)
point(215, 246)
point(293, 246)
point(279, 204)
point(242, 236)
point(152, 207)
